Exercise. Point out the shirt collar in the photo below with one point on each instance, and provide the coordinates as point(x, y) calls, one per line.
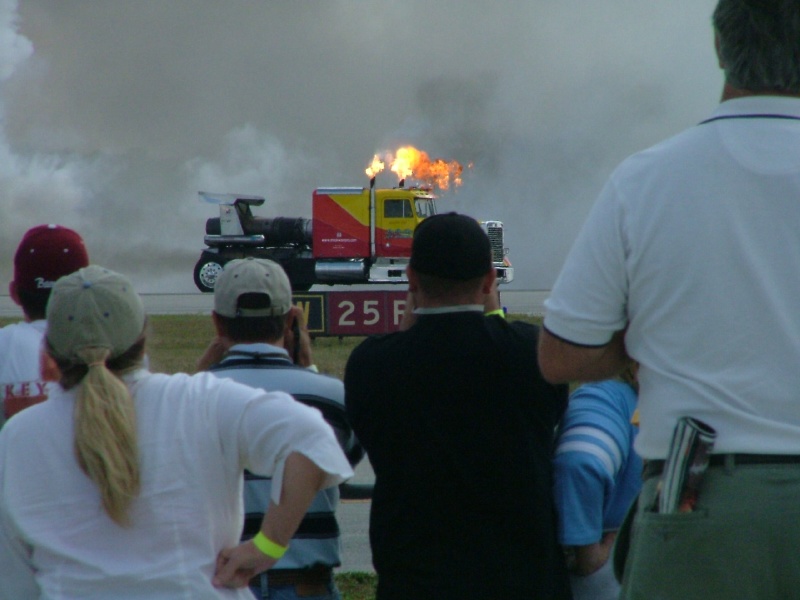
point(259, 348)
point(441, 310)
point(763, 105)
point(135, 376)
point(39, 325)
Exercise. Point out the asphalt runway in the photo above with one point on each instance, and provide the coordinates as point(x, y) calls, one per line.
point(527, 302)
point(353, 517)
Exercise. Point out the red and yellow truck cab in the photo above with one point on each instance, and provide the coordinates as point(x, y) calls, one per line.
point(352, 222)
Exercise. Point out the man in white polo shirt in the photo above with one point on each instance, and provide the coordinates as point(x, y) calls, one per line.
point(689, 263)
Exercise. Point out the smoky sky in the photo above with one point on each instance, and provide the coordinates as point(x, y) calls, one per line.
point(114, 114)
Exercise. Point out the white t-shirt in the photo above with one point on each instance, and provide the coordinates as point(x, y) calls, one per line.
point(196, 434)
point(20, 381)
point(694, 244)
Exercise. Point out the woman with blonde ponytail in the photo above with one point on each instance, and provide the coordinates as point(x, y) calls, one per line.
point(127, 484)
point(105, 435)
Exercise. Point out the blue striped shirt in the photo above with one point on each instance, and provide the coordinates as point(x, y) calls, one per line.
point(597, 472)
point(317, 540)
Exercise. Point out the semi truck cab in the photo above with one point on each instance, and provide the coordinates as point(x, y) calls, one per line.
point(356, 235)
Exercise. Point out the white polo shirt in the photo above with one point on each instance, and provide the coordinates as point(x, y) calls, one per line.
point(695, 245)
point(195, 436)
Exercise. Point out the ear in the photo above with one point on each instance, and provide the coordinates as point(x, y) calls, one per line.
point(717, 47)
point(413, 280)
point(288, 322)
point(218, 326)
point(12, 291)
point(488, 281)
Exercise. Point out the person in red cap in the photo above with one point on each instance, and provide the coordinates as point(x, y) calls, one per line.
point(46, 253)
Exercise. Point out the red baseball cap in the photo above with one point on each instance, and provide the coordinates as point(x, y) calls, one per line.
point(45, 254)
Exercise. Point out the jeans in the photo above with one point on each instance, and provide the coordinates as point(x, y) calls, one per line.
point(290, 592)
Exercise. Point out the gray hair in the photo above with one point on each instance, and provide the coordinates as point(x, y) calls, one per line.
point(759, 42)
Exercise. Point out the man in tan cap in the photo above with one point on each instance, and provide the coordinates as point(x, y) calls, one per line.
point(45, 253)
point(257, 326)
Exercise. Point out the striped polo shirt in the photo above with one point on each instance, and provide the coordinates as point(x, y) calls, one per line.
point(317, 540)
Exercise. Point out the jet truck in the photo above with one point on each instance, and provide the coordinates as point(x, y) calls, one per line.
point(355, 235)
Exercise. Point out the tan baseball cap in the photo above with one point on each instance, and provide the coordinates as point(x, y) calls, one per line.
point(252, 276)
point(93, 308)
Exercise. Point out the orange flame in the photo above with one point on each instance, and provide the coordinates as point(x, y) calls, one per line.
point(411, 162)
point(376, 167)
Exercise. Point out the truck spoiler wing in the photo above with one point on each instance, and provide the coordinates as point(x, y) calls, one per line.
point(231, 199)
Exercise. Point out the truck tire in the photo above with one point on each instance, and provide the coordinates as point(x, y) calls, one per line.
point(206, 273)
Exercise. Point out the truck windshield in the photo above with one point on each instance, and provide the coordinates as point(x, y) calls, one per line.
point(425, 207)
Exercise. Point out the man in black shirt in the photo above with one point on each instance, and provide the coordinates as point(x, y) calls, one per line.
point(458, 424)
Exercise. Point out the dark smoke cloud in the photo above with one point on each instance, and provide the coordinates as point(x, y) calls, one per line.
point(115, 113)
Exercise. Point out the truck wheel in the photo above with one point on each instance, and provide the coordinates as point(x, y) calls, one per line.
point(205, 274)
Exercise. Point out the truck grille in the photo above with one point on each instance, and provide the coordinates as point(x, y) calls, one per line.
point(494, 229)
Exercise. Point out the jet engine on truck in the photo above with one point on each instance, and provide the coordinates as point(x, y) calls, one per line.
point(355, 235)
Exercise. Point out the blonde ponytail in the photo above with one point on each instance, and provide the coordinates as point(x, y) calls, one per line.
point(105, 435)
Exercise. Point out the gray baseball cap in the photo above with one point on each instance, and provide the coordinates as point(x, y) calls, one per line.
point(94, 307)
point(252, 276)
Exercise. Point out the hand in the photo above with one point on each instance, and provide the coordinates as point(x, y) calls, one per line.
point(236, 566)
point(590, 558)
point(214, 353)
point(296, 315)
point(302, 479)
point(492, 300)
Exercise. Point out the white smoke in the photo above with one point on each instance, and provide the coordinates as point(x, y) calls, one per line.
point(251, 161)
point(14, 48)
point(114, 114)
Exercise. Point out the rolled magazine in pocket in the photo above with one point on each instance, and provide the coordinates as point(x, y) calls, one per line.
point(686, 464)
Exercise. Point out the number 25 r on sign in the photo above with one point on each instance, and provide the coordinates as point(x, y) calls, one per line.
point(365, 313)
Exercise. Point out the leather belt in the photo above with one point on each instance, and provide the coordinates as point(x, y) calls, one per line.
point(653, 468)
point(316, 575)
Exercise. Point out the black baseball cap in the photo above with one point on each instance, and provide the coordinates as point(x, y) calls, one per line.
point(451, 246)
